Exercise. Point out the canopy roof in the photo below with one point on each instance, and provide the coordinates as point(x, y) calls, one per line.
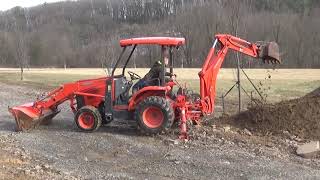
point(163, 41)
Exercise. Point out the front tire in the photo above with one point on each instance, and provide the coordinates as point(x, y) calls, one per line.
point(88, 118)
point(154, 115)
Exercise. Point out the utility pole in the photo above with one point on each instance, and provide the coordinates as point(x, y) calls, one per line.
point(238, 81)
point(238, 70)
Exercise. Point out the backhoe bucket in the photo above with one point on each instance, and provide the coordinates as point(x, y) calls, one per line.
point(270, 52)
point(29, 117)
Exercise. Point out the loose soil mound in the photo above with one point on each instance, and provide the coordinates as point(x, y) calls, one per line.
point(300, 117)
point(315, 92)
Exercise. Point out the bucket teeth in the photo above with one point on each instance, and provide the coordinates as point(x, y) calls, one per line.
point(270, 53)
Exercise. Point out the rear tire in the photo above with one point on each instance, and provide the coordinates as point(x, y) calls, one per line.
point(88, 118)
point(154, 115)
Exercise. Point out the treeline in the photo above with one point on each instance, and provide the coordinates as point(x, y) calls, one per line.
point(85, 33)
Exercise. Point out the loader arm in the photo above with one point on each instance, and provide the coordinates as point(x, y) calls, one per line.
point(67, 91)
point(208, 74)
point(30, 115)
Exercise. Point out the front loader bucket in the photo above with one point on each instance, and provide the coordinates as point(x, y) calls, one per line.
point(270, 52)
point(29, 117)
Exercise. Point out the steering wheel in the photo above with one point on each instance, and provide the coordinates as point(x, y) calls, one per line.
point(133, 75)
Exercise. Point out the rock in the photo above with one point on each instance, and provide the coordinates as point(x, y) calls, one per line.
point(61, 155)
point(247, 132)
point(38, 168)
point(204, 134)
point(270, 145)
point(298, 139)
point(27, 172)
point(86, 159)
point(177, 162)
point(308, 150)
point(226, 162)
point(172, 141)
point(226, 128)
point(176, 142)
point(66, 173)
point(46, 166)
point(257, 151)
point(24, 157)
point(167, 155)
point(293, 137)
point(287, 134)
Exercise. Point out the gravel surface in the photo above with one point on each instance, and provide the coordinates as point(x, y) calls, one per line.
point(118, 151)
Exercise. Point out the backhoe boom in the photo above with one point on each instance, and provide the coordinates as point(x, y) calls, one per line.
point(215, 58)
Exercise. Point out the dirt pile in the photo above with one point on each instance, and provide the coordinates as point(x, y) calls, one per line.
point(299, 117)
point(315, 92)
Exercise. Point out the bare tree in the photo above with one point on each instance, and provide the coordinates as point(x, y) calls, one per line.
point(107, 53)
point(19, 45)
point(72, 34)
point(19, 38)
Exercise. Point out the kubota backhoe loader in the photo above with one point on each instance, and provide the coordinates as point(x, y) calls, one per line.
point(155, 108)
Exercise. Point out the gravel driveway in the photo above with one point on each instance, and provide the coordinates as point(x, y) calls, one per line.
point(118, 151)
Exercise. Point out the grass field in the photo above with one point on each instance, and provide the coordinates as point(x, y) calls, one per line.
point(282, 84)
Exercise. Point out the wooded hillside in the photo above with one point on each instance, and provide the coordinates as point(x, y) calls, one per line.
point(85, 33)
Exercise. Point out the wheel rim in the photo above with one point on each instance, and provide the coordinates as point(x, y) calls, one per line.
point(86, 120)
point(153, 117)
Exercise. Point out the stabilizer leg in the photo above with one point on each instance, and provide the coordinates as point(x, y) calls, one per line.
point(183, 125)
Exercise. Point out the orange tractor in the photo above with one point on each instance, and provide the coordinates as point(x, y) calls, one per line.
point(156, 107)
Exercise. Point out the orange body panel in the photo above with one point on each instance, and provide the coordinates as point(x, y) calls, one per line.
point(163, 41)
point(147, 92)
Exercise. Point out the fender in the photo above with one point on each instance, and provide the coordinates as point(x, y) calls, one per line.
point(146, 92)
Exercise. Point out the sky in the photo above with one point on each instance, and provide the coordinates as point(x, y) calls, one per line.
point(8, 4)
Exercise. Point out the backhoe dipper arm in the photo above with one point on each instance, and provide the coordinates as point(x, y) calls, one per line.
point(214, 60)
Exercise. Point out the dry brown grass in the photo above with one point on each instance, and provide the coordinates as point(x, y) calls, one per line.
point(186, 73)
point(283, 84)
